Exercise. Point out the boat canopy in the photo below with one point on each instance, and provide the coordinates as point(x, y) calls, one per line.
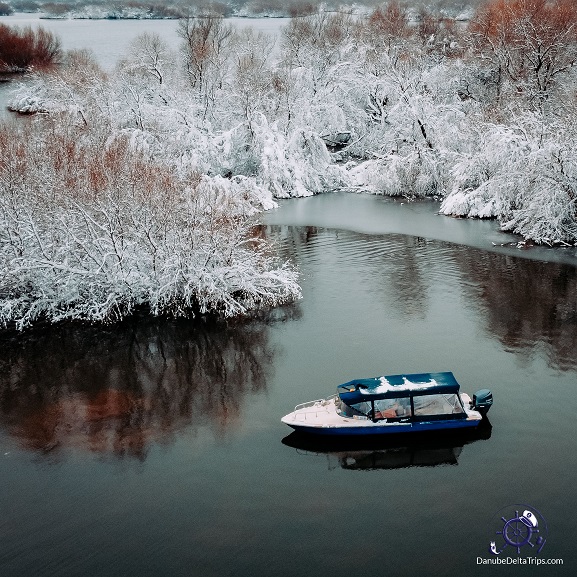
point(397, 386)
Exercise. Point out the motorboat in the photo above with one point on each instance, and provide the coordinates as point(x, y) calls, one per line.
point(392, 404)
point(370, 453)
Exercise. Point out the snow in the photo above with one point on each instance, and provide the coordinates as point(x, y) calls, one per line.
point(237, 123)
point(385, 386)
point(108, 228)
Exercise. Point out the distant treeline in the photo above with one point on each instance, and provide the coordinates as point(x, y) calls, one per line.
point(184, 8)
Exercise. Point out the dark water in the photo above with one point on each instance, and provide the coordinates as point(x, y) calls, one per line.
point(155, 447)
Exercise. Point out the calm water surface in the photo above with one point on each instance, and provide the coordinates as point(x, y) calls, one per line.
point(155, 447)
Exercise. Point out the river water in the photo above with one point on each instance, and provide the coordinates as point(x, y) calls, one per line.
point(155, 447)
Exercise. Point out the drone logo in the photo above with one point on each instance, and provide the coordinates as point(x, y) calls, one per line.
point(519, 530)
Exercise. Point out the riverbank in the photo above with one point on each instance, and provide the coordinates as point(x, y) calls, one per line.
point(241, 9)
point(381, 215)
point(436, 126)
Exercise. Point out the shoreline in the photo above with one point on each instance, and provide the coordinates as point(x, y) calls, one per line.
point(423, 223)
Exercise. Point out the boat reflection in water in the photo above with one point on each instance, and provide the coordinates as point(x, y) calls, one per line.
point(391, 452)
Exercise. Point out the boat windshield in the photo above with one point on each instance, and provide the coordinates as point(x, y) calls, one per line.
point(357, 410)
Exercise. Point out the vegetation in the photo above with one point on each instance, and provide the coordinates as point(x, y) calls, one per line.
point(183, 8)
point(136, 189)
point(93, 227)
point(22, 49)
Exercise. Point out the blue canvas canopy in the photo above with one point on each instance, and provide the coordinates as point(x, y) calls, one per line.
point(396, 386)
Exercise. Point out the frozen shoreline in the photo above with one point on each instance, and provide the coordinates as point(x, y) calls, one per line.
point(381, 215)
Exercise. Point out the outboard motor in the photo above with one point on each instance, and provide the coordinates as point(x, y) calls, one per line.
point(482, 401)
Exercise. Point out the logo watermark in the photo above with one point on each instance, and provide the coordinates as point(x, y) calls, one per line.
point(521, 526)
point(518, 535)
point(517, 561)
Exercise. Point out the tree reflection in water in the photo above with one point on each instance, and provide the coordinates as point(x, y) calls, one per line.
point(117, 390)
point(390, 263)
point(406, 268)
point(527, 303)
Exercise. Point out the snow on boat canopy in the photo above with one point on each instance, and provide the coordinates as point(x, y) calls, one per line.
point(392, 404)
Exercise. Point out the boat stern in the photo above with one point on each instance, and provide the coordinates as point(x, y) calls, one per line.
point(482, 401)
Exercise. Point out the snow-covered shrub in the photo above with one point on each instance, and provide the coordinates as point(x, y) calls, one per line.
point(295, 166)
point(413, 175)
point(480, 180)
point(546, 195)
point(525, 176)
point(91, 228)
